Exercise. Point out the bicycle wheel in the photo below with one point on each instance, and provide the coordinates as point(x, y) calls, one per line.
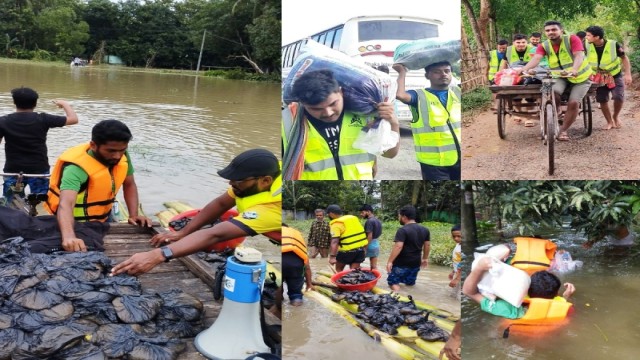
point(587, 115)
point(550, 122)
point(502, 124)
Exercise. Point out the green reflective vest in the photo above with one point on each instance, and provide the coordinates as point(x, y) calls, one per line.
point(512, 55)
point(609, 62)
point(319, 163)
point(563, 60)
point(434, 128)
point(353, 236)
point(494, 64)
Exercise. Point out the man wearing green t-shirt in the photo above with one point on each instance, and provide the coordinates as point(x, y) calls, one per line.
point(86, 178)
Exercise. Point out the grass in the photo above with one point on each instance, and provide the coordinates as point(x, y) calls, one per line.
point(441, 243)
point(476, 99)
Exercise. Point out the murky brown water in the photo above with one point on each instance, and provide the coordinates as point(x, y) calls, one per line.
point(184, 128)
point(603, 326)
point(314, 332)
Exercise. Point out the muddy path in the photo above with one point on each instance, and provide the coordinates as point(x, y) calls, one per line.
point(606, 154)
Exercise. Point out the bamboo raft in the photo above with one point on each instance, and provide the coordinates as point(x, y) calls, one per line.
point(189, 274)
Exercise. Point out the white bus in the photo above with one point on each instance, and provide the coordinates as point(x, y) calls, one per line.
point(374, 38)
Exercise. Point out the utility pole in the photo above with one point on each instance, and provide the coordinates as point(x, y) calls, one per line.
point(201, 48)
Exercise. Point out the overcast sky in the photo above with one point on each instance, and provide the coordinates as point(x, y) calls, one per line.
point(302, 18)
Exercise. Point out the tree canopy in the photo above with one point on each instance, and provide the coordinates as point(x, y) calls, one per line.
point(160, 33)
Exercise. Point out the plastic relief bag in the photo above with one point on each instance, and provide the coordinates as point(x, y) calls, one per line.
point(378, 139)
point(418, 54)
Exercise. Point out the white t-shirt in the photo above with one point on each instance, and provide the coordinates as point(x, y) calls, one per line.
point(456, 257)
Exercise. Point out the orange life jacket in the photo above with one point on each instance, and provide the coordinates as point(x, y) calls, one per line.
point(95, 198)
point(293, 241)
point(542, 314)
point(533, 254)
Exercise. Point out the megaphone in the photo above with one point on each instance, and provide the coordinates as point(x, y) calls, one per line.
point(236, 333)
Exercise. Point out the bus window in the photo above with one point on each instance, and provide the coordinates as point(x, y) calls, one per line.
point(315, 37)
point(285, 53)
point(336, 39)
point(329, 39)
point(395, 30)
point(322, 38)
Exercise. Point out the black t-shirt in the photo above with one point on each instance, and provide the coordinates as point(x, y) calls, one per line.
point(413, 236)
point(374, 226)
point(600, 50)
point(331, 134)
point(25, 137)
point(521, 54)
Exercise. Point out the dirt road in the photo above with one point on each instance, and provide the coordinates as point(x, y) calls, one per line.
point(606, 154)
point(402, 167)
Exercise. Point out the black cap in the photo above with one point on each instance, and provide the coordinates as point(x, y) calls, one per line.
point(334, 209)
point(366, 207)
point(254, 162)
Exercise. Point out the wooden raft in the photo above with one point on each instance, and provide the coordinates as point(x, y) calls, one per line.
point(124, 240)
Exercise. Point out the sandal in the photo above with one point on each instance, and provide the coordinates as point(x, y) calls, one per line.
point(563, 136)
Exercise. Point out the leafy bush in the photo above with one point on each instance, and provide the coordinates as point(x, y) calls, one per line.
point(634, 56)
point(441, 243)
point(476, 99)
point(239, 74)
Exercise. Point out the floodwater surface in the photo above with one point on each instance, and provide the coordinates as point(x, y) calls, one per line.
point(312, 331)
point(184, 128)
point(604, 325)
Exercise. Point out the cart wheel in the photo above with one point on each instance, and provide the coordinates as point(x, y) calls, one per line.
point(587, 115)
point(502, 112)
point(550, 122)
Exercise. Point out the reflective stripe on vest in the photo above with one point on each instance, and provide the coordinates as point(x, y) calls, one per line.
point(354, 236)
point(434, 142)
point(274, 195)
point(319, 163)
point(494, 64)
point(609, 61)
point(512, 55)
point(94, 202)
point(533, 254)
point(563, 60)
point(292, 241)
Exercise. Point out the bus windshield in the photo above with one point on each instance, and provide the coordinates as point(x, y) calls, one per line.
point(395, 30)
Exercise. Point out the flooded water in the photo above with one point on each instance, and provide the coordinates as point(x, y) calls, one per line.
point(604, 325)
point(184, 128)
point(314, 332)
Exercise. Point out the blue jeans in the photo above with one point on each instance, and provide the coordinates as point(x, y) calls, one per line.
point(36, 185)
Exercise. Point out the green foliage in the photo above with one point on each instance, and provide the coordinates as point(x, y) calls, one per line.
point(441, 243)
point(478, 98)
point(239, 74)
point(634, 55)
point(594, 207)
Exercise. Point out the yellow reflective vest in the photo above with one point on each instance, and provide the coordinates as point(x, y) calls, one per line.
point(609, 61)
point(512, 55)
point(95, 198)
point(494, 64)
point(353, 236)
point(319, 163)
point(563, 60)
point(292, 241)
point(436, 129)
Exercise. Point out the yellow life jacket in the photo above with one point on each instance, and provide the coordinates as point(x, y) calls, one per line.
point(274, 195)
point(609, 61)
point(319, 163)
point(494, 64)
point(354, 236)
point(436, 129)
point(563, 60)
point(512, 55)
point(292, 241)
point(96, 197)
point(533, 254)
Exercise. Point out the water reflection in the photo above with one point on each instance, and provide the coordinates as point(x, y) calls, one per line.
point(603, 326)
point(184, 128)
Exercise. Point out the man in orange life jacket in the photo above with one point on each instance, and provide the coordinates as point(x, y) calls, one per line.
point(295, 264)
point(86, 178)
point(544, 285)
point(256, 191)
